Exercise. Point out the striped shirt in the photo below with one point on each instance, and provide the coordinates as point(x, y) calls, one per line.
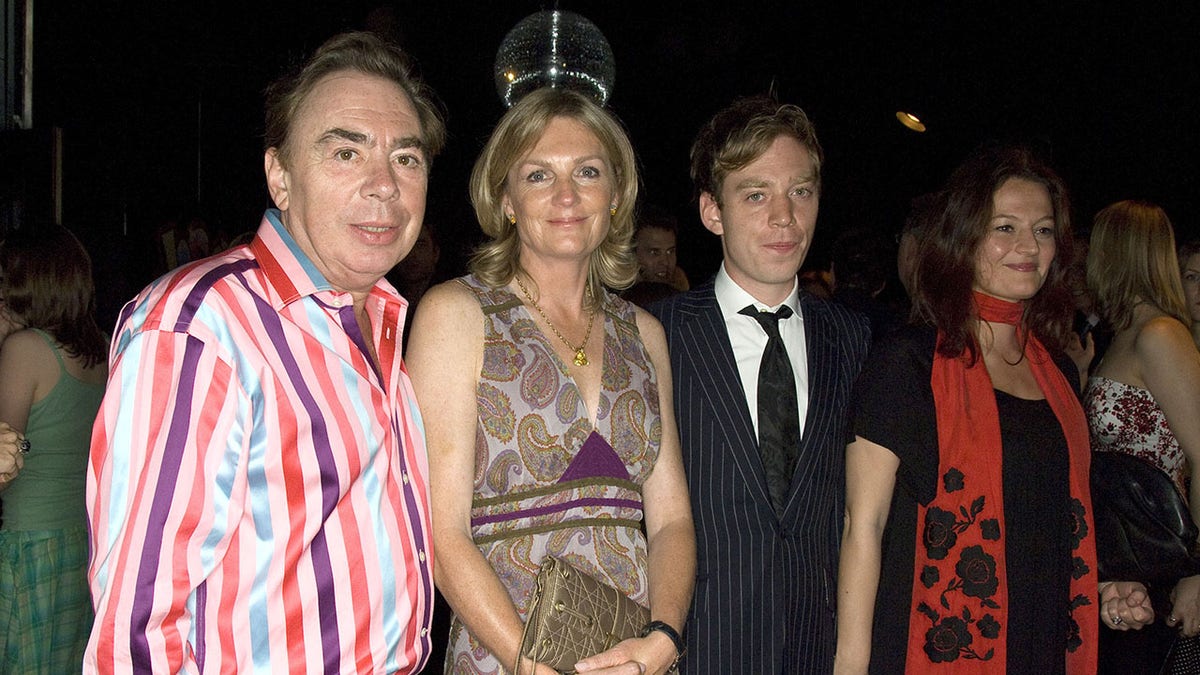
point(257, 489)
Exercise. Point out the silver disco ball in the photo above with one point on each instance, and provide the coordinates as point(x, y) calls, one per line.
point(554, 48)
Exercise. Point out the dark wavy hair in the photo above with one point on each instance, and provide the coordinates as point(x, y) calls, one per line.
point(948, 246)
point(47, 284)
point(358, 52)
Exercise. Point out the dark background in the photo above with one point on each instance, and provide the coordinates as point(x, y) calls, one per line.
point(160, 104)
point(161, 108)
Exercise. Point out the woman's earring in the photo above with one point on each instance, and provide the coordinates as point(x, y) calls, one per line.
point(612, 210)
point(512, 219)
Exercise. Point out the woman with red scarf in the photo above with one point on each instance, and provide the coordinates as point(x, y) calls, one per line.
point(968, 544)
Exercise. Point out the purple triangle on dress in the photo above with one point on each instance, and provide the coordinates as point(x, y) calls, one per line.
point(595, 459)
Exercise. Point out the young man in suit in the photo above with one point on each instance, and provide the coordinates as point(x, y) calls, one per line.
point(762, 377)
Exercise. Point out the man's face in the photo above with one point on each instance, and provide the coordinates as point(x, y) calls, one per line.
point(656, 254)
point(766, 217)
point(352, 192)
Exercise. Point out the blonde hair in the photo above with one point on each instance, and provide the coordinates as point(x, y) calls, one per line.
point(1132, 259)
point(497, 261)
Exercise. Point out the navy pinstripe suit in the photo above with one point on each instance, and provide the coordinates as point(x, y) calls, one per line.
point(765, 584)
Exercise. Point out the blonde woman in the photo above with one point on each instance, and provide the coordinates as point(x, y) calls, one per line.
point(547, 400)
point(1144, 397)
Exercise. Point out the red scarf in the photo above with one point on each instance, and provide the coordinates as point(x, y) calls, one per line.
point(959, 617)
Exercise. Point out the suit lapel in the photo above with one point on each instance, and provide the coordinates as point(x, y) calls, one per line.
point(707, 353)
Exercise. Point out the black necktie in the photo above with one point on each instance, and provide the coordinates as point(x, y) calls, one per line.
point(778, 421)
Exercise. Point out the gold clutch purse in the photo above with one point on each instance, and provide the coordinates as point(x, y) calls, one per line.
point(572, 616)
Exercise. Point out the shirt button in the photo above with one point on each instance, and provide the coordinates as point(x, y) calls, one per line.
point(404, 477)
point(424, 632)
point(421, 556)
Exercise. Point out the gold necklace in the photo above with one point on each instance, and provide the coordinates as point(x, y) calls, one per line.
point(581, 358)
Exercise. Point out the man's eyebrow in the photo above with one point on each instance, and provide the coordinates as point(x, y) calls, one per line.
point(754, 182)
point(338, 133)
point(343, 134)
point(750, 183)
point(408, 142)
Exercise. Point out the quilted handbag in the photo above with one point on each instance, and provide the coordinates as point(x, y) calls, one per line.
point(572, 616)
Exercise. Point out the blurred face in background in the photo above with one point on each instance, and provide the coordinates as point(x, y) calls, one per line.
point(1191, 285)
point(656, 254)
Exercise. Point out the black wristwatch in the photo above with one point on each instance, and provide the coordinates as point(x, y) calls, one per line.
point(676, 639)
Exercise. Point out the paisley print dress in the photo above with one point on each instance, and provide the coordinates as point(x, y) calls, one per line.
point(547, 481)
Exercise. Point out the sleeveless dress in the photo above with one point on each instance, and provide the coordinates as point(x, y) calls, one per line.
point(546, 481)
point(45, 606)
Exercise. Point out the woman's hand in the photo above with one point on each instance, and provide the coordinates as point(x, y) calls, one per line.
point(1185, 610)
point(12, 458)
point(651, 655)
point(1125, 605)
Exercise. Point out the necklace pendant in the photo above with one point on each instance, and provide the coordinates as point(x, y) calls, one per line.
point(581, 359)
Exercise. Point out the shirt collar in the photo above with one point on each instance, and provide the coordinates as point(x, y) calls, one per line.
point(289, 271)
point(733, 298)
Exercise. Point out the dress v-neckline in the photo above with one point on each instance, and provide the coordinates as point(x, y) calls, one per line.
point(593, 417)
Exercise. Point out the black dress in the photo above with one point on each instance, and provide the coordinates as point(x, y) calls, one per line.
point(894, 408)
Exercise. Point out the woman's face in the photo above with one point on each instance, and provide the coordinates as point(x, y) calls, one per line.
point(561, 193)
point(1014, 257)
point(1191, 285)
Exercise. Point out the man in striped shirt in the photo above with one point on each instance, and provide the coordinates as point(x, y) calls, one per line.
point(258, 479)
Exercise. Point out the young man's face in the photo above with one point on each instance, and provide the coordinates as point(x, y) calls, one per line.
point(766, 216)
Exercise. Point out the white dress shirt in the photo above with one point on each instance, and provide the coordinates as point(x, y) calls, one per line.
point(748, 340)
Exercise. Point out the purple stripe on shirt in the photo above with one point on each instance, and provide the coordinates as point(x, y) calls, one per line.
point(160, 507)
point(201, 613)
point(414, 523)
point(553, 508)
point(319, 547)
point(350, 324)
point(195, 297)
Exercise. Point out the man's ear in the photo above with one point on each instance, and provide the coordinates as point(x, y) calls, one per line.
point(710, 214)
point(277, 178)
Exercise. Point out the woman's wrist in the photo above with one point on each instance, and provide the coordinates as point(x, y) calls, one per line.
point(672, 639)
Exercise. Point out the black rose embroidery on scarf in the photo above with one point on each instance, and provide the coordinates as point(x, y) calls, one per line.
point(940, 535)
point(1074, 641)
point(953, 480)
point(975, 576)
point(990, 529)
point(989, 627)
point(977, 570)
point(949, 638)
point(942, 527)
point(929, 576)
point(1079, 528)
